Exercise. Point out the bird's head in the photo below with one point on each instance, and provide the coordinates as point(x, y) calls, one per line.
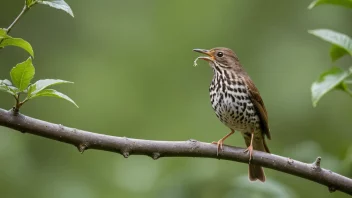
point(220, 58)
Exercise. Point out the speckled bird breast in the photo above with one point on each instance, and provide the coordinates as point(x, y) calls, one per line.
point(232, 105)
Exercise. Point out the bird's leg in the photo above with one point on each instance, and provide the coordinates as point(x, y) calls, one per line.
point(250, 148)
point(221, 141)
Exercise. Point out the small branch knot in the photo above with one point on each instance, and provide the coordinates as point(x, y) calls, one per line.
point(290, 161)
point(15, 111)
point(316, 163)
point(61, 126)
point(332, 189)
point(125, 154)
point(82, 147)
point(194, 144)
point(156, 156)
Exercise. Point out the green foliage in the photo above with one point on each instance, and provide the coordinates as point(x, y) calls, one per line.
point(8, 40)
point(43, 84)
point(39, 89)
point(334, 78)
point(58, 4)
point(53, 93)
point(6, 86)
point(30, 3)
point(23, 73)
point(337, 52)
point(329, 80)
point(342, 44)
point(19, 43)
point(21, 76)
point(3, 34)
point(344, 3)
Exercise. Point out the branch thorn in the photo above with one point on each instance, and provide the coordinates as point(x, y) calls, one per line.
point(125, 154)
point(290, 161)
point(156, 156)
point(332, 189)
point(316, 163)
point(82, 147)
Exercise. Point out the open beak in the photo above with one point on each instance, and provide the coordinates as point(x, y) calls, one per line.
point(209, 56)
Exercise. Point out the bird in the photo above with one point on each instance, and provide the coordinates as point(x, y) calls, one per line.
point(237, 103)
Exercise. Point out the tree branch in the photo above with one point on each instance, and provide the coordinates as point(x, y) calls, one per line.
point(84, 140)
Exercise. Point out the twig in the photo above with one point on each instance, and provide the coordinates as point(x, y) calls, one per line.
point(84, 140)
point(24, 10)
point(316, 163)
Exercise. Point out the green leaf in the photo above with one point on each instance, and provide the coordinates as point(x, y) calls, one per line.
point(6, 82)
point(30, 3)
point(6, 86)
point(53, 93)
point(3, 34)
point(7, 89)
point(58, 4)
point(22, 74)
point(19, 43)
point(336, 52)
point(328, 81)
point(343, 86)
point(344, 3)
point(43, 84)
point(339, 40)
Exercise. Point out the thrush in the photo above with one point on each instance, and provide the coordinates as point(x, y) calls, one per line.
point(237, 103)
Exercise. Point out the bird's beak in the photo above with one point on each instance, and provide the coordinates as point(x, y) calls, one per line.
point(209, 56)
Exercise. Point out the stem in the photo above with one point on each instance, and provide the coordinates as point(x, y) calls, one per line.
point(17, 106)
point(24, 10)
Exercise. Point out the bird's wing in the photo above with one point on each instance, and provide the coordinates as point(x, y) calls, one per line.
point(259, 106)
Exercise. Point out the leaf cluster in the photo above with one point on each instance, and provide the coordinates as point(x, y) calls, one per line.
point(334, 78)
point(23, 73)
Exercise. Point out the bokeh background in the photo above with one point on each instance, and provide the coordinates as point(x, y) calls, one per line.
point(132, 64)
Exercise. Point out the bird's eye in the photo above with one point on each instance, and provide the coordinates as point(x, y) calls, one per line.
point(220, 54)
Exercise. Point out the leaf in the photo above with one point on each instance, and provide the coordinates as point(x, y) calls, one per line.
point(344, 3)
point(19, 43)
point(336, 52)
point(7, 89)
point(6, 82)
point(328, 81)
point(22, 74)
point(3, 34)
point(58, 4)
point(6, 86)
point(43, 84)
point(53, 93)
point(339, 40)
point(30, 3)
point(343, 86)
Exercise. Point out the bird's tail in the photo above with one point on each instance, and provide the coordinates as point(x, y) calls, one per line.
point(256, 172)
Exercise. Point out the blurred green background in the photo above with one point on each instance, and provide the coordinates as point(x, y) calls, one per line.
point(131, 62)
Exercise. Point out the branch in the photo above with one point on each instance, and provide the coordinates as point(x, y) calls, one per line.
point(24, 10)
point(84, 140)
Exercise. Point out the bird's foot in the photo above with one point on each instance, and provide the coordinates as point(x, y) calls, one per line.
point(250, 150)
point(219, 146)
